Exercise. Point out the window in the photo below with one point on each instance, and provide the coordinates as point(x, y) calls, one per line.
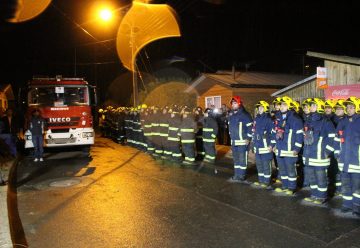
point(213, 102)
point(68, 96)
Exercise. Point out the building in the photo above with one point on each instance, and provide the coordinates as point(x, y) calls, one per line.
point(215, 89)
point(6, 96)
point(343, 80)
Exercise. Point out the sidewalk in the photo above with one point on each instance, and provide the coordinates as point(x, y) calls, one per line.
point(5, 236)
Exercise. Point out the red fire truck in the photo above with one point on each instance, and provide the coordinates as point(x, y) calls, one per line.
point(65, 104)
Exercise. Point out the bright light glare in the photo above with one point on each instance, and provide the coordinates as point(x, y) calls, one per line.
point(105, 14)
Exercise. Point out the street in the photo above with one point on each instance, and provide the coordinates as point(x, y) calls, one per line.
point(121, 197)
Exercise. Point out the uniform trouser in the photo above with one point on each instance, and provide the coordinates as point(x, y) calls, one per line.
point(350, 189)
point(38, 145)
point(263, 166)
point(287, 170)
point(318, 181)
point(200, 146)
point(150, 146)
point(165, 146)
point(189, 152)
point(334, 174)
point(10, 142)
point(174, 148)
point(158, 145)
point(240, 156)
point(306, 172)
point(210, 152)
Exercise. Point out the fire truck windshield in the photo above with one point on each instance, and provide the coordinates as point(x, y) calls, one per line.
point(55, 96)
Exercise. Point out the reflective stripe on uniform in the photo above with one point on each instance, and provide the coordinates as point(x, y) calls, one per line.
point(187, 141)
point(209, 140)
point(208, 129)
point(187, 130)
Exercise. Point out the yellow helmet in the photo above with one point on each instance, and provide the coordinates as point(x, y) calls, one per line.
point(277, 101)
point(100, 111)
point(320, 105)
point(287, 100)
point(330, 103)
point(354, 101)
point(307, 102)
point(143, 106)
point(340, 104)
point(295, 106)
point(264, 104)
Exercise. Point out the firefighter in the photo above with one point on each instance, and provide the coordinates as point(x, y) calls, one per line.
point(101, 121)
point(164, 132)
point(289, 139)
point(319, 134)
point(240, 129)
point(155, 132)
point(340, 114)
point(147, 130)
point(275, 115)
point(199, 118)
point(187, 133)
point(329, 109)
point(142, 137)
point(173, 135)
point(263, 143)
point(209, 133)
point(306, 114)
point(348, 154)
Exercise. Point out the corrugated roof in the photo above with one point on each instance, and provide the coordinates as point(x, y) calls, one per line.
point(253, 79)
point(301, 82)
point(337, 58)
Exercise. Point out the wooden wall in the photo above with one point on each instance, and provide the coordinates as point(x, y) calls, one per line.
point(338, 74)
point(342, 74)
point(250, 96)
point(306, 90)
point(214, 90)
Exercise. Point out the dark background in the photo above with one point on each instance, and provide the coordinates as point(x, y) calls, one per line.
point(264, 35)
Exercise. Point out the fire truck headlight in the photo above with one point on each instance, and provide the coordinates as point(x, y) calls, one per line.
point(87, 134)
point(84, 113)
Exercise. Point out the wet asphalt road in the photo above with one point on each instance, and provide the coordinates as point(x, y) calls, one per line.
point(121, 197)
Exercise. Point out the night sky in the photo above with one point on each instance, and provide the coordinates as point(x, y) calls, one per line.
point(266, 35)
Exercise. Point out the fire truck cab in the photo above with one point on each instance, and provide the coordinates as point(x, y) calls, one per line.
point(65, 104)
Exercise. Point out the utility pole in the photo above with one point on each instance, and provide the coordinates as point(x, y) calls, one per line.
point(133, 60)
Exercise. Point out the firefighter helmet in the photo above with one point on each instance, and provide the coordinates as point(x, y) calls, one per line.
point(353, 101)
point(100, 111)
point(277, 101)
point(236, 99)
point(287, 100)
point(307, 102)
point(340, 104)
point(320, 105)
point(294, 105)
point(330, 103)
point(264, 104)
point(143, 106)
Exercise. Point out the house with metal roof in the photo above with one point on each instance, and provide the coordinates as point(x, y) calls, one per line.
point(6, 95)
point(343, 80)
point(215, 89)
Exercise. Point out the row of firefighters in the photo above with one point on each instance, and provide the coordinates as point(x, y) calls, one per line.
point(322, 136)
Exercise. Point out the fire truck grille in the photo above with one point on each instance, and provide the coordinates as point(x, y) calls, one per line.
point(61, 141)
point(63, 124)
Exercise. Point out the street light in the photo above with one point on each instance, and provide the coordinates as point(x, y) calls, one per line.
point(105, 14)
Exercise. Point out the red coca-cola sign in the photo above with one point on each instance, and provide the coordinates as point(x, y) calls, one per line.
point(342, 91)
